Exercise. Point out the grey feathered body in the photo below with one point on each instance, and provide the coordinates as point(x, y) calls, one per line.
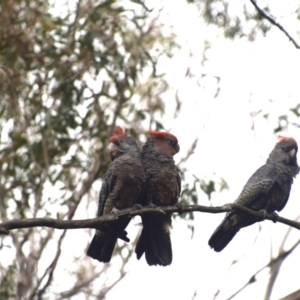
point(121, 188)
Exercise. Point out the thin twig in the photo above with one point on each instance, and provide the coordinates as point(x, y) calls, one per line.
point(50, 270)
point(272, 21)
point(271, 264)
point(79, 287)
point(251, 280)
point(190, 151)
point(274, 269)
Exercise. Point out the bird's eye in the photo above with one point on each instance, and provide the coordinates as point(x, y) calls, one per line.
point(170, 142)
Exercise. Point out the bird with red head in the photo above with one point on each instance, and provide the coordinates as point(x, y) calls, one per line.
point(162, 188)
point(267, 190)
point(121, 188)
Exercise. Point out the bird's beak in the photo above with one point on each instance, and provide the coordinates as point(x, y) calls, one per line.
point(176, 149)
point(292, 154)
point(112, 148)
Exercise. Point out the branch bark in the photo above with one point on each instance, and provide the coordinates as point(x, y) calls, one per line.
point(5, 227)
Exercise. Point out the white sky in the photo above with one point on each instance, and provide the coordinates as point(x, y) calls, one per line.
point(251, 75)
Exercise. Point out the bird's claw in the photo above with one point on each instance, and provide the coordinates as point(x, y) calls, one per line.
point(137, 206)
point(275, 216)
point(264, 214)
point(179, 206)
point(115, 211)
point(152, 205)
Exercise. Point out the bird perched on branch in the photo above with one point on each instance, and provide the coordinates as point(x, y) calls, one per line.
point(267, 190)
point(121, 188)
point(162, 189)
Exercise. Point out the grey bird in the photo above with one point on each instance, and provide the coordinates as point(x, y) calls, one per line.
point(162, 189)
point(267, 190)
point(121, 188)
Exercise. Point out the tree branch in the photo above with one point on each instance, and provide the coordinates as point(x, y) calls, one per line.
point(272, 21)
point(275, 268)
point(49, 271)
point(79, 287)
point(135, 210)
point(293, 296)
point(272, 265)
point(251, 280)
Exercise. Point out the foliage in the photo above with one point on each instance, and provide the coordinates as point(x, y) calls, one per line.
point(237, 20)
point(70, 72)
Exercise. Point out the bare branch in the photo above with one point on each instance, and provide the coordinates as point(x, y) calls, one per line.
point(135, 210)
point(293, 296)
point(189, 152)
point(79, 287)
point(252, 279)
point(105, 289)
point(274, 269)
point(49, 271)
point(273, 264)
point(272, 21)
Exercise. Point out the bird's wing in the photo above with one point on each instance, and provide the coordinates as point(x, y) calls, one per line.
point(259, 184)
point(178, 182)
point(285, 201)
point(107, 186)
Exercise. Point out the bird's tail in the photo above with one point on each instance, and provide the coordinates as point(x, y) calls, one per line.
point(155, 240)
point(102, 246)
point(222, 235)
